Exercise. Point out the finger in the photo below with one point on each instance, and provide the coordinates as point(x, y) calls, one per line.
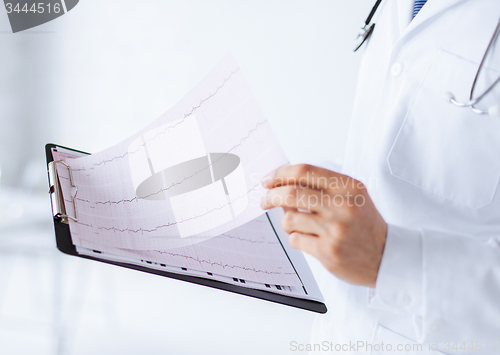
point(305, 242)
point(295, 221)
point(310, 176)
point(286, 209)
point(296, 197)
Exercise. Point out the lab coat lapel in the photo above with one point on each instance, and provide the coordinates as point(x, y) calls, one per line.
point(405, 13)
point(431, 10)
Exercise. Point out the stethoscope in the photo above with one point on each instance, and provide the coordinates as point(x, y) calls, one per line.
point(367, 30)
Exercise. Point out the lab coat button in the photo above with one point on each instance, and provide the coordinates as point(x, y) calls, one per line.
point(404, 300)
point(397, 69)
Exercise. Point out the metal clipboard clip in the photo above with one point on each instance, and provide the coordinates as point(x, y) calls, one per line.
point(56, 196)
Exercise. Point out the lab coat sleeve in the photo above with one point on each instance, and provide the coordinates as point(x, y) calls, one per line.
point(399, 281)
point(449, 283)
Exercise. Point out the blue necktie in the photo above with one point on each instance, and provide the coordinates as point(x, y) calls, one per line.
point(418, 5)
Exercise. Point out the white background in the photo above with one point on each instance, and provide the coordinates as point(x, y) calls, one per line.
point(96, 75)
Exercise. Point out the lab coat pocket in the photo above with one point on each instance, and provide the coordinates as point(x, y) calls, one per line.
point(447, 151)
point(386, 341)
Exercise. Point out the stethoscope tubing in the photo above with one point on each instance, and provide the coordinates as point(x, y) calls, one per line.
point(451, 98)
point(472, 101)
point(367, 30)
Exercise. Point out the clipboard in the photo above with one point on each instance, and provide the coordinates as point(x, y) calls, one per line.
point(65, 245)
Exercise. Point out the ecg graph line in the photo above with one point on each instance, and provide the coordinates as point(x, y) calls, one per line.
point(136, 198)
point(223, 265)
point(223, 235)
point(186, 115)
point(170, 224)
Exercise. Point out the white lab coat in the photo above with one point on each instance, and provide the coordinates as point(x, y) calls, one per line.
point(433, 171)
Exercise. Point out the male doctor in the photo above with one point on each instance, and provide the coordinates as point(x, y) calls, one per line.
point(412, 256)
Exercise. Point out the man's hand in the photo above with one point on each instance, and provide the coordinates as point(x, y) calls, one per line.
point(331, 217)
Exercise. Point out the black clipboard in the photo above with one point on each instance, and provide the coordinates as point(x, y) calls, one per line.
point(65, 245)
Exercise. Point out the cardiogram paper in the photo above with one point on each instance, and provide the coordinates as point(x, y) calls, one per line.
point(252, 252)
point(193, 174)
